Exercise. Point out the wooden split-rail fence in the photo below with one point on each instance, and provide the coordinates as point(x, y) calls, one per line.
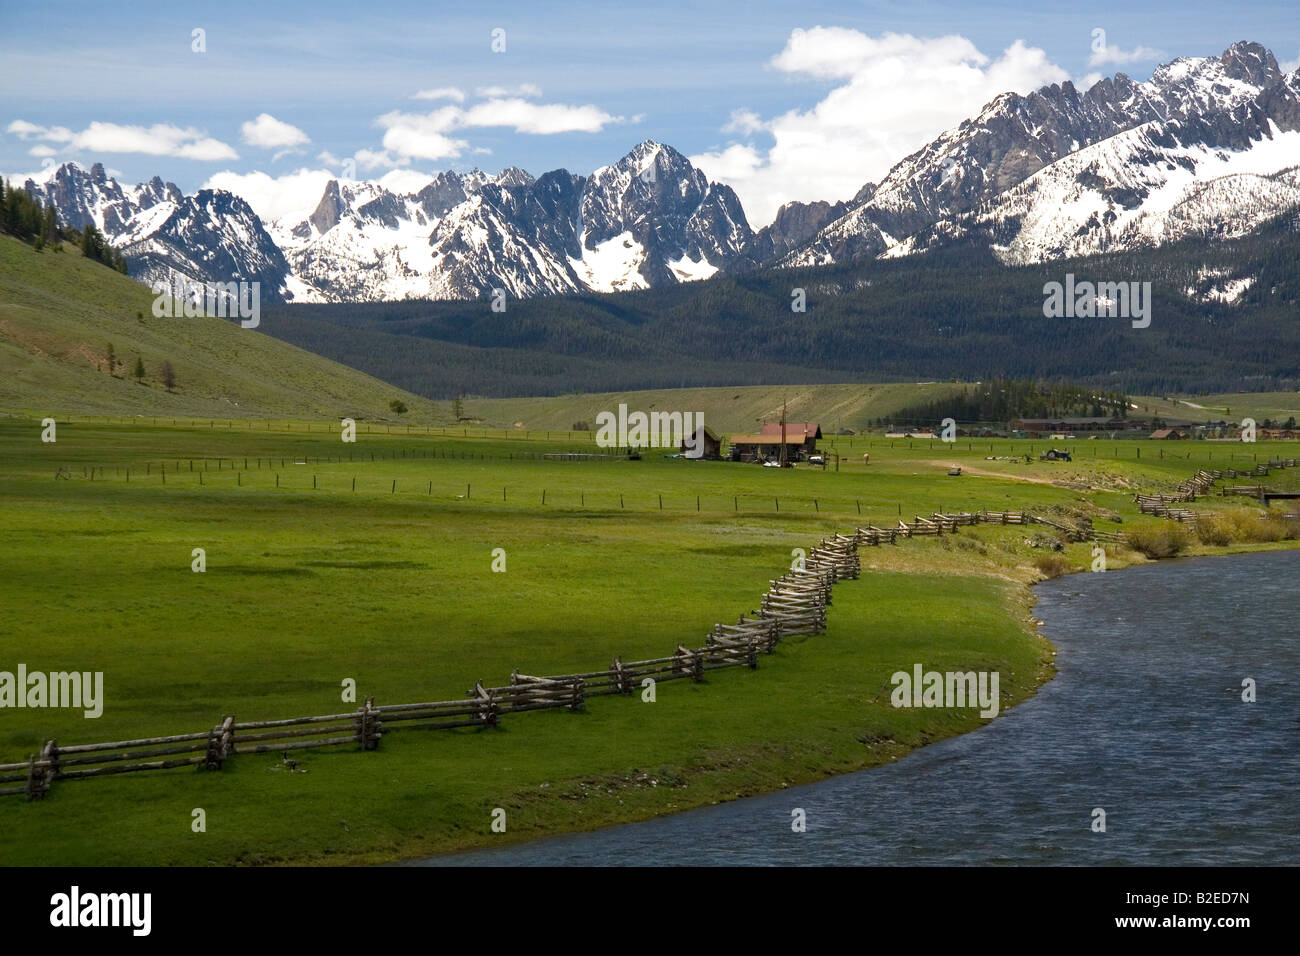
point(1200, 484)
point(794, 604)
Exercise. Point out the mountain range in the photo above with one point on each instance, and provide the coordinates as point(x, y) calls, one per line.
point(1208, 147)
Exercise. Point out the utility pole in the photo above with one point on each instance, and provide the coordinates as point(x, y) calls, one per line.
point(784, 463)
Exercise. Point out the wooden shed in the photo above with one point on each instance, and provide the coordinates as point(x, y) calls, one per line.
point(705, 439)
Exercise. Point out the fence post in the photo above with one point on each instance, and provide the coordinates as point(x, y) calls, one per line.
point(220, 743)
point(42, 771)
point(370, 728)
point(487, 705)
point(621, 682)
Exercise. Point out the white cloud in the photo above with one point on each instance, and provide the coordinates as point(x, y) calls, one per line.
point(419, 135)
point(379, 159)
point(1118, 56)
point(161, 139)
point(23, 129)
point(429, 136)
point(523, 89)
point(441, 93)
point(894, 94)
point(743, 121)
point(40, 150)
point(267, 132)
point(542, 119)
point(1091, 80)
point(292, 197)
point(1290, 66)
point(404, 181)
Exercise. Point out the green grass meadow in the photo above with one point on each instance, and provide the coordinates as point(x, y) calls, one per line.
point(391, 585)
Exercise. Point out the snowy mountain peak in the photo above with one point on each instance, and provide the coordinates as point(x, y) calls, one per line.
point(1198, 149)
point(1223, 99)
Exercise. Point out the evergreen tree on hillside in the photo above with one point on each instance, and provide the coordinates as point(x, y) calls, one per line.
point(139, 369)
point(20, 215)
point(49, 225)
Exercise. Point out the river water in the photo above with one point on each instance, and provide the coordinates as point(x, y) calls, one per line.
point(1144, 720)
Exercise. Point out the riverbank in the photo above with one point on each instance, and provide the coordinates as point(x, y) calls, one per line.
point(1144, 729)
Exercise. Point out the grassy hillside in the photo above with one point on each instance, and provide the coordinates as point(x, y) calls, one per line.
point(59, 312)
point(725, 410)
point(1278, 406)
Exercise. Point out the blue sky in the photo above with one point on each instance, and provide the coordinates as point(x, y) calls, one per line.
point(577, 85)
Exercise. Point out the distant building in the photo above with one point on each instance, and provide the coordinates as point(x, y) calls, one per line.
point(1039, 427)
point(1169, 433)
point(806, 432)
point(800, 442)
point(704, 438)
point(764, 447)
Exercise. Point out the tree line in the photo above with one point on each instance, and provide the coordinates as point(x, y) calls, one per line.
point(1002, 400)
point(954, 314)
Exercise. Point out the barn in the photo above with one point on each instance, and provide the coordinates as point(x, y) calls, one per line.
point(807, 433)
point(800, 442)
point(705, 439)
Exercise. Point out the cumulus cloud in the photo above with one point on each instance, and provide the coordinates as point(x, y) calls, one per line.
point(430, 136)
point(418, 135)
point(291, 197)
point(267, 132)
point(404, 181)
point(161, 139)
point(892, 94)
point(1108, 54)
point(1290, 66)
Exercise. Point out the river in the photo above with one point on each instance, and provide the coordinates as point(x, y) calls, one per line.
point(1144, 720)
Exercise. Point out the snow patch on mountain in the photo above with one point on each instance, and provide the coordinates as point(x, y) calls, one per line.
point(613, 265)
point(690, 270)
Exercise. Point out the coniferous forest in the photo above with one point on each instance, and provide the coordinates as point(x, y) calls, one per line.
point(952, 315)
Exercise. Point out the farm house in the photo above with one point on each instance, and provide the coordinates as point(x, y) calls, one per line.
point(800, 442)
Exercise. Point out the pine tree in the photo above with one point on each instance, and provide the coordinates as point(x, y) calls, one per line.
point(168, 375)
point(49, 225)
point(139, 369)
point(112, 359)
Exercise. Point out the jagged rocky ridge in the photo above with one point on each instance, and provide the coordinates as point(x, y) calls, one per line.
point(1207, 147)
